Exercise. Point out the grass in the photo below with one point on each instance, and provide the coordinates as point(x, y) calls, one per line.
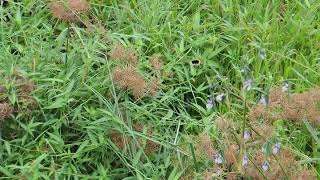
point(67, 134)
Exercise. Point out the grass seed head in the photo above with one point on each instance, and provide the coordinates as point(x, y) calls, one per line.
point(156, 62)
point(79, 5)
point(5, 110)
point(60, 12)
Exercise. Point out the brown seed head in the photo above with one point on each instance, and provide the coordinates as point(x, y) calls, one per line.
point(119, 140)
point(207, 146)
point(304, 175)
point(223, 123)
point(129, 78)
point(79, 5)
point(118, 53)
point(131, 57)
point(5, 110)
point(154, 86)
point(230, 153)
point(59, 11)
point(156, 62)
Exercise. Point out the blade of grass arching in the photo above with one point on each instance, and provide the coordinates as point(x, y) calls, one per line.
point(315, 143)
point(312, 131)
point(194, 158)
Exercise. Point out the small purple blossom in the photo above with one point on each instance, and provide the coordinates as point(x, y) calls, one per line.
point(285, 87)
point(265, 166)
point(262, 54)
point(263, 100)
point(245, 160)
point(220, 97)
point(210, 104)
point(276, 148)
point(246, 135)
point(218, 158)
point(247, 84)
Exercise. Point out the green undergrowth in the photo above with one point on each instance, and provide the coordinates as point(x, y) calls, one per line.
point(66, 135)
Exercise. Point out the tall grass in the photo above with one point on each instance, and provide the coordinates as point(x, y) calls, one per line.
point(82, 120)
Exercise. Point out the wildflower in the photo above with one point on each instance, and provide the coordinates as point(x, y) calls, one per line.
point(220, 97)
point(246, 135)
point(195, 62)
point(263, 100)
point(276, 148)
point(265, 166)
point(218, 158)
point(210, 104)
point(245, 160)
point(247, 84)
point(285, 87)
point(262, 54)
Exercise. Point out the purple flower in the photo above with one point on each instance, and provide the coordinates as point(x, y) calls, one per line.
point(245, 160)
point(265, 166)
point(276, 148)
point(218, 158)
point(285, 87)
point(220, 97)
point(210, 104)
point(263, 100)
point(246, 135)
point(247, 84)
point(262, 54)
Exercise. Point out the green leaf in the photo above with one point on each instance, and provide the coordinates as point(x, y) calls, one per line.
point(312, 131)
point(57, 104)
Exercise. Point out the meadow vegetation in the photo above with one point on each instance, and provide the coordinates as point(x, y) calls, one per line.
point(160, 89)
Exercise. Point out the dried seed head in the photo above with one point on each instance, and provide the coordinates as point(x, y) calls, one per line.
point(231, 153)
point(207, 146)
point(154, 87)
point(5, 110)
point(59, 11)
point(79, 5)
point(305, 175)
point(129, 78)
point(118, 139)
point(151, 146)
point(223, 124)
point(156, 62)
point(131, 57)
point(118, 53)
point(139, 126)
